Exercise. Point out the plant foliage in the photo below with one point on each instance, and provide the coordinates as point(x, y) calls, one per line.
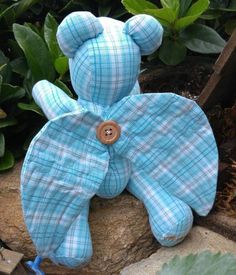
point(179, 18)
point(36, 56)
point(204, 263)
point(221, 16)
point(30, 52)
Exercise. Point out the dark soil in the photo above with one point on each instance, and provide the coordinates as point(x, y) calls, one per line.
point(188, 79)
point(223, 122)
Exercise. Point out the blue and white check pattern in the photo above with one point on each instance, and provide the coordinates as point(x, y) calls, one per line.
point(166, 155)
point(105, 67)
point(75, 30)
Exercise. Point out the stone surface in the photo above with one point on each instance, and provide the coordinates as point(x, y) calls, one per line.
point(12, 228)
point(198, 240)
point(220, 223)
point(119, 227)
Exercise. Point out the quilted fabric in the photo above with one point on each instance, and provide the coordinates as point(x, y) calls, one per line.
point(166, 155)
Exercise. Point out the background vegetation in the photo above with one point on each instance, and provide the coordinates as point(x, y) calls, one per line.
point(205, 263)
point(29, 51)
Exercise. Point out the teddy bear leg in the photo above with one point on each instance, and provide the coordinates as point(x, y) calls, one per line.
point(170, 218)
point(76, 248)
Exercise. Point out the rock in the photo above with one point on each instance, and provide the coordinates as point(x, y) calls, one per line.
point(119, 227)
point(220, 223)
point(198, 240)
point(13, 231)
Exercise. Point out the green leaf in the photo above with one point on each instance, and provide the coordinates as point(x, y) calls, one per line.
point(223, 5)
point(119, 12)
point(137, 6)
point(50, 30)
point(166, 16)
point(104, 10)
point(211, 14)
point(61, 65)
point(16, 9)
point(7, 122)
point(7, 161)
point(3, 58)
point(192, 14)
point(34, 28)
point(35, 51)
point(76, 5)
point(184, 6)
point(202, 39)
point(19, 66)
point(30, 107)
point(15, 49)
point(2, 114)
point(198, 7)
point(7, 10)
point(219, 4)
point(10, 92)
point(28, 84)
point(232, 4)
point(0, 84)
point(171, 4)
point(230, 26)
point(2, 145)
point(172, 52)
point(23, 6)
point(5, 68)
point(9, 17)
point(63, 86)
point(203, 263)
point(5, 72)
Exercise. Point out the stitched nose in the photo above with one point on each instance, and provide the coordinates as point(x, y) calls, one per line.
point(108, 132)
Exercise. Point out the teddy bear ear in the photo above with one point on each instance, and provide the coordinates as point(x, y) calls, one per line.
point(75, 29)
point(146, 32)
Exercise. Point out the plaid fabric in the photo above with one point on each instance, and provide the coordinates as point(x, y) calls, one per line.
point(75, 29)
point(63, 169)
point(166, 149)
point(173, 143)
point(170, 218)
point(52, 100)
point(166, 155)
point(105, 68)
point(146, 32)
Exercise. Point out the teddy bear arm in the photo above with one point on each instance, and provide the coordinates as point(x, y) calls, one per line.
point(52, 100)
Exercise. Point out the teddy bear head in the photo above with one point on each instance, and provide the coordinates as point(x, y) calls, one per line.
point(105, 54)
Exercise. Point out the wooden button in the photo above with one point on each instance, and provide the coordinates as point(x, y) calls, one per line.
point(108, 132)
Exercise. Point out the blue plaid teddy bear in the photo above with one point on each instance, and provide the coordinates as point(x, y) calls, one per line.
point(158, 146)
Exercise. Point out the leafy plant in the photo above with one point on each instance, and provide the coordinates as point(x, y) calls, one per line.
point(109, 8)
point(11, 10)
point(205, 263)
point(29, 53)
point(221, 16)
point(37, 56)
point(181, 32)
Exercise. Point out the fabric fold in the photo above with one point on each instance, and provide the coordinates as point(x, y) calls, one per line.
point(170, 138)
point(63, 169)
